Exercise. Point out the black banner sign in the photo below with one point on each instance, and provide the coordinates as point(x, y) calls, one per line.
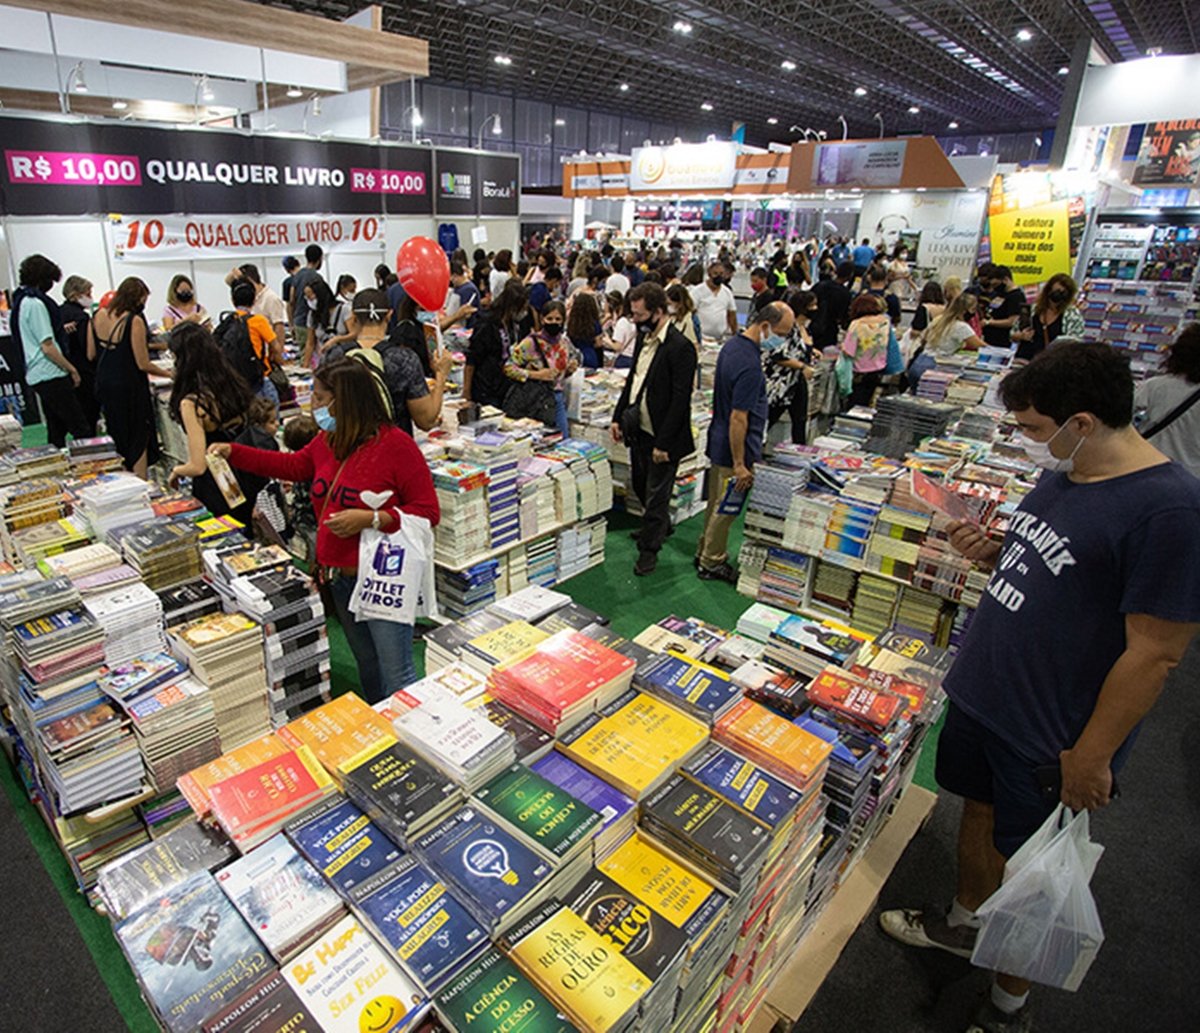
point(82, 168)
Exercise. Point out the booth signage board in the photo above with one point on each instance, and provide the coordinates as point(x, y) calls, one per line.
point(1169, 155)
point(171, 238)
point(693, 166)
point(1035, 243)
point(93, 168)
point(948, 223)
point(859, 163)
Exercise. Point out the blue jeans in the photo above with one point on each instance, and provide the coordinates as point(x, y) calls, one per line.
point(383, 650)
point(560, 414)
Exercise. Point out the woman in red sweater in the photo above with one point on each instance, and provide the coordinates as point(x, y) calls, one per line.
point(358, 451)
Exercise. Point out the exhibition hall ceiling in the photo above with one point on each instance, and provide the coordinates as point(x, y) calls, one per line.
point(970, 65)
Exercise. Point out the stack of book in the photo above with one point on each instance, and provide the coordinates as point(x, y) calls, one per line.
point(805, 647)
point(255, 804)
point(90, 757)
point(296, 643)
point(771, 687)
point(225, 652)
point(339, 732)
point(707, 637)
point(807, 517)
point(530, 743)
point(164, 554)
point(566, 677)
point(462, 531)
point(343, 844)
point(617, 812)
point(188, 602)
point(195, 785)
point(113, 501)
point(90, 456)
point(530, 604)
point(444, 645)
point(759, 620)
point(132, 619)
point(635, 743)
point(784, 579)
point(404, 794)
point(420, 922)
point(833, 589)
point(774, 744)
point(698, 689)
point(281, 896)
point(81, 562)
point(492, 987)
point(463, 592)
point(511, 639)
point(192, 953)
point(460, 742)
point(33, 544)
point(600, 994)
point(875, 601)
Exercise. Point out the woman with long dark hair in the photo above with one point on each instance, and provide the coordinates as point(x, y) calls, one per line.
point(505, 322)
point(546, 358)
point(320, 304)
point(410, 332)
point(1054, 316)
point(118, 342)
point(357, 452)
point(210, 401)
point(583, 328)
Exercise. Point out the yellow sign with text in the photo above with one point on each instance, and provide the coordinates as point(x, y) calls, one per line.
point(1035, 243)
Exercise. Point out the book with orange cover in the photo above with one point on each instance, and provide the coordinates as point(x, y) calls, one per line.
point(195, 784)
point(338, 731)
point(253, 805)
point(852, 699)
point(774, 743)
point(566, 677)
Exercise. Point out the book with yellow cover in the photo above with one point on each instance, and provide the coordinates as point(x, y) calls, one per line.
point(635, 743)
point(504, 643)
point(658, 639)
point(580, 971)
point(195, 784)
point(338, 731)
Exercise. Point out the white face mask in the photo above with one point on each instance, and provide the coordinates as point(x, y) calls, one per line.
point(312, 303)
point(1039, 452)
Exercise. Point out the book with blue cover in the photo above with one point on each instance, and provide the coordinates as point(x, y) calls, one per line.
point(610, 803)
point(758, 792)
point(702, 691)
point(427, 929)
point(343, 844)
point(497, 876)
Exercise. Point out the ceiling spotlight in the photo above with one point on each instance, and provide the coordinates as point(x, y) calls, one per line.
point(682, 27)
point(1024, 35)
point(787, 66)
point(1154, 51)
point(1037, 141)
point(914, 110)
point(206, 90)
point(497, 129)
point(76, 73)
point(772, 121)
point(1064, 70)
point(560, 121)
point(502, 59)
point(952, 125)
point(120, 105)
point(295, 91)
point(706, 106)
point(624, 87)
point(860, 91)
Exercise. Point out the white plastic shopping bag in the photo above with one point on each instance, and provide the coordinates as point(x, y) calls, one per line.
point(395, 573)
point(1042, 924)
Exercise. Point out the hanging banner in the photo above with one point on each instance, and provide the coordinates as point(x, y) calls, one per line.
point(685, 166)
point(91, 168)
point(1035, 243)
point(946, 225)
point(1169, 154)
point(171, 238)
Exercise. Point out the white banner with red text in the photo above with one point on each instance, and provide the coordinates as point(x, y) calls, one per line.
point(173, 238)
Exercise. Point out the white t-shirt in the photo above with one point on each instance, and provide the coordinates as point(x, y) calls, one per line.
point(497, 280)
point(1159, 396)
point(951, 342)
point(624, 335)
point(270, 304)
point(711, 307)
point(618, 282)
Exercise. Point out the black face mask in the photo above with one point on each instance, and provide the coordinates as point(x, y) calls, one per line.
point(552, 330)
point(647, 325)
point(1059, 296)
point(184, 295)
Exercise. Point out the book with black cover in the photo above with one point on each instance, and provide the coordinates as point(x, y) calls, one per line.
point(399, 790)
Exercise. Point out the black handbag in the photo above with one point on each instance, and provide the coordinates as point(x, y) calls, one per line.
point(631, 416)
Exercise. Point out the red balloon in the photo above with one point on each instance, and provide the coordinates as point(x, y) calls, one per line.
point(106, 297)
point(423, 271)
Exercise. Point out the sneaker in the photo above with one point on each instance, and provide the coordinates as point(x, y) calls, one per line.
point(928, 928)
point(990, 1019)
point(723, 572)
point(646, 563)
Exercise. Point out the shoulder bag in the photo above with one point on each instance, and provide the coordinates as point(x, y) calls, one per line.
point(1173, 415)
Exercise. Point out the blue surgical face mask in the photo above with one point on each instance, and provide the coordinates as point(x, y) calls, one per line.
point(773, 341)
point(325, 419)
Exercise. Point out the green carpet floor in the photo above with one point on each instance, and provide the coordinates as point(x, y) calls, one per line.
point(630, 602)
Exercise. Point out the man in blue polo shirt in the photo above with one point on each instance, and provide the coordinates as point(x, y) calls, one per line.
point(739, 423)
point(864, 255)
point(1092, 601)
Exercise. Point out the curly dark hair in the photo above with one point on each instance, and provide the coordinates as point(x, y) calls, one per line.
point(1074, 377)
point(203, 374)
point(39, 272)
point(1183, 357)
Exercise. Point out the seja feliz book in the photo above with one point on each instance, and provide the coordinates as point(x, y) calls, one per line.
point(492, 995)
point(580, 972)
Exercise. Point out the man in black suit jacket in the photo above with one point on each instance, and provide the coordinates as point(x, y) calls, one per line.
point(654, 415)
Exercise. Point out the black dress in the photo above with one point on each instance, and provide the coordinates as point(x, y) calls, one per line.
point(76, 316)
point(123, 391)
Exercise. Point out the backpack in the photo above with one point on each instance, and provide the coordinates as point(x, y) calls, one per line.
point(373, 361)
point(233, 337)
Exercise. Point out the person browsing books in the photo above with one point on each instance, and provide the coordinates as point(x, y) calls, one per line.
point(735, 436)
point(358, 451)
point(539, 364)
point(1092, 601)
point(653, 415)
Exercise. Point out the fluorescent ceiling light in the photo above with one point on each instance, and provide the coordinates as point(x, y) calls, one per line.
point(1064, 70)
point(914, 110)
point(952, 125)
point(1024, 35)
point(119, 105)
point(624, 87)
point(772, 121)
point(295, 91)
point(560, 121)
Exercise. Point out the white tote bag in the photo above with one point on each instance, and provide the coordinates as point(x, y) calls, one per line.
point(395, 573)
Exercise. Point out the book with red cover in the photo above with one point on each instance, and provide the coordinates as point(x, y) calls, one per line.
point(911, 691)
point(848, 697)
point(253, 804)
point(567, 676)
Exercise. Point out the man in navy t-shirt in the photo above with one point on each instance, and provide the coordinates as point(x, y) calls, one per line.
point(735, 436)
point(1093, 599)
